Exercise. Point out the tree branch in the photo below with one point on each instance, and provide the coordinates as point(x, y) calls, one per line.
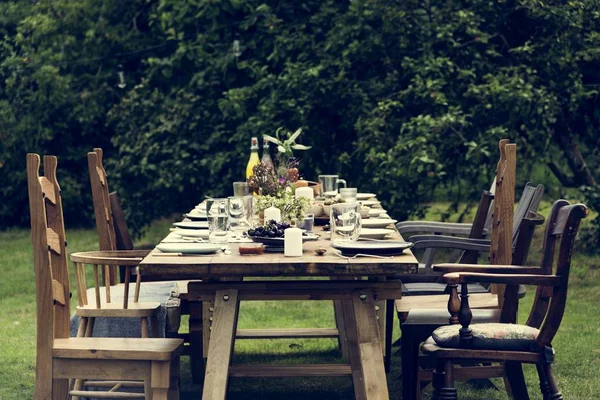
point(564, 179)
point(581, 172)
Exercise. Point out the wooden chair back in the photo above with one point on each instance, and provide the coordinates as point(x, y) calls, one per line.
point(122, 236)
point(549, 304)
point(50, 263)
point(104, 217)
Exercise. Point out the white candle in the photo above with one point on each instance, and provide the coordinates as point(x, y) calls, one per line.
point(307, 192)
point(292, 242)
point(272, 213)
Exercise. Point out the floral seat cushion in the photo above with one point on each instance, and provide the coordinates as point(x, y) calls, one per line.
point(492, 336)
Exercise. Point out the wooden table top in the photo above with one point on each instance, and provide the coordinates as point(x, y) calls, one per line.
point(276, 264)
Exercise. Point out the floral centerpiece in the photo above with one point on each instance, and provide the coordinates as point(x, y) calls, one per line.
point(275, 187)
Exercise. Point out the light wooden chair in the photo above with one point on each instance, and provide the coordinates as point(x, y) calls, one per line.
point(506, 341)
point(60, 358)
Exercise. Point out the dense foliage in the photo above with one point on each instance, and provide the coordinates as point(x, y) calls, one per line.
point(398, 96)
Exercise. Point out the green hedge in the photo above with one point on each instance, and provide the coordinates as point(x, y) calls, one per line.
point(398, 97)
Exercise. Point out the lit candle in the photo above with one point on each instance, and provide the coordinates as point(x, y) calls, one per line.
point(307, 192)
point(272, 213)
point(292, 242)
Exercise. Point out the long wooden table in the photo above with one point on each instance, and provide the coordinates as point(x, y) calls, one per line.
point(360, 300)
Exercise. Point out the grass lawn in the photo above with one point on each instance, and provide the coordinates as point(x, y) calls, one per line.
point(577, 343)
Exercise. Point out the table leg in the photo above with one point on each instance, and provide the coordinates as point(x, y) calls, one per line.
point(410, 364)
point(221, 344)
point(353, 350)
point(338, 311)
point(196, 341)
point(369, 344)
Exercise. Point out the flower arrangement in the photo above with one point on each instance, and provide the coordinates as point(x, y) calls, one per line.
point(292, 208)
point(275, 186)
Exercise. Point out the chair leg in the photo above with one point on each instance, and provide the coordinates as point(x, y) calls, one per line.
point(553, 386)
point(144, 325)
point(443, 381)
point(160, 380)
point(515, 380)
point(60, 389)
point(174, 381)
point(154, 326)
point(544, 385)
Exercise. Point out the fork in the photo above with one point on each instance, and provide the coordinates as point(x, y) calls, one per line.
point(362, 255)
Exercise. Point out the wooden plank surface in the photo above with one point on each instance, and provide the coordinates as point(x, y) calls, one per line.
point(276, 264)
point(289, 371)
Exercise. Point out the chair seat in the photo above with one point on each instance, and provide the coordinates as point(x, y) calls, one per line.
point(433, 288)
point(490, 336)
point(117, 348)
point(133, 310)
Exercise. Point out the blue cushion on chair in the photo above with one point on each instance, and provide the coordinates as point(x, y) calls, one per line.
point(491, 336)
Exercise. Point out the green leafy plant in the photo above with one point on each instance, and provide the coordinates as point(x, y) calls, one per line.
point(286, 146)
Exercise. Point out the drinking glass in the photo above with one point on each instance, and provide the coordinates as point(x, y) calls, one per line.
point(240, 189)
point(345, 222)
point(240, 211)
point(307, 223)
point(349, 194)
point(330, 184)
point(217, 211)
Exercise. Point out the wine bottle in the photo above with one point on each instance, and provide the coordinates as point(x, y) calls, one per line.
point(266, 155)
point(253, 157)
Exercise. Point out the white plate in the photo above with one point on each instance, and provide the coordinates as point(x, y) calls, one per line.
point(369, 203)
point(192, 224)
point(371, 233)
point(377, 222)
point(333, 193)
point(196, 216)
point(375, 212)
point(365, 196)
point(384, 248)
point(195, 233)
point(189, 248)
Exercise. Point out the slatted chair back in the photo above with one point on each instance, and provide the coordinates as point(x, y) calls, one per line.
point(104, 217)
point(105, 259)
point(549, 303)
point(50, 262)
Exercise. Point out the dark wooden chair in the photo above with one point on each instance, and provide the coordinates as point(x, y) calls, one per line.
point(507, 342)
point(60, 358)
point(421, 323)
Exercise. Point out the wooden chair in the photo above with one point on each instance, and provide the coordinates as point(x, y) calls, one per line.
point(420, 323)
point(506, 342)
point(425, 291)
point(60, 358)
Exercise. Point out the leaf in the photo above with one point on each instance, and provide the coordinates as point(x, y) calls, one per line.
point(281, 149)
point(273, 140)
point(300, 147)
point(295, 135)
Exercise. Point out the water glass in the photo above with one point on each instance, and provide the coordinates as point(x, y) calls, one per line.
point(349, 194)
point(241, 211)
point(217, 211)
point(345, 222)
point(241, 189)
point(307, 223)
